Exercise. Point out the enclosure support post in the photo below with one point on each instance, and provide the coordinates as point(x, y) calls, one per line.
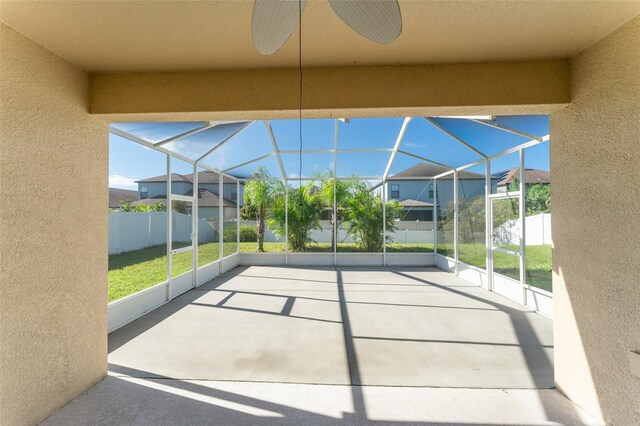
point(488, 219)
point(521, 208)
point(194, 226)
point(286, 223)
point(220, 221)
point(169, 230)
point(238, 219)
point(455, 220)
point(335, 197)
point(384, 223)
point(435, 217)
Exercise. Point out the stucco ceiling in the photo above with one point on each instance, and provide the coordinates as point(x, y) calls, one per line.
point(187, 35)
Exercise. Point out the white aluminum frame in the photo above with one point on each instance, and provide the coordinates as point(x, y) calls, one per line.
point(194, 228)
point(169, 229)
point(160, 146)
point(335, 196)
point(220, 221)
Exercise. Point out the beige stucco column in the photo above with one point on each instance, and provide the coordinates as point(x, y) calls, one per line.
point(595, 167)
point(53, 233)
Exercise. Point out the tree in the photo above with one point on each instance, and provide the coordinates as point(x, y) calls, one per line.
point(180, 206)
point(538, 198)
point(305, 209)
point(471, 220)
point(259, 194)
point(365, 217)
point(248, 212)
point(344, 189)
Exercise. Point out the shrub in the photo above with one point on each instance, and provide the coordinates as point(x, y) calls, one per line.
point(229, 234)
point(304, 210)
point(248, 234)
point(364, 214)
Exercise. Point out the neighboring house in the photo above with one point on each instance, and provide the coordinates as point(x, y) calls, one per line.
point(116, 195)
point(416, 196)
point(531, 177)
point(154, 189)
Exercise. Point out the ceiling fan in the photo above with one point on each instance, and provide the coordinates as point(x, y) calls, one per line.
point(274, 20)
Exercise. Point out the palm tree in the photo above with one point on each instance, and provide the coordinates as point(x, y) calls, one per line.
point(305, 209)
point(258, 195)
point(343, 189)
point(364, 214)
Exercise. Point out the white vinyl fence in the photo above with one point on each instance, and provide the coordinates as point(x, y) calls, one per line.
point(406, 232)
point(137, 230)
point(537, 231)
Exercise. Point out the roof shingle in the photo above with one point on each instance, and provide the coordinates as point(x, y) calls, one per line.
point(423, 170)
point(203, 177)
point(117, 194)
point(206, 198)
point(530, 176)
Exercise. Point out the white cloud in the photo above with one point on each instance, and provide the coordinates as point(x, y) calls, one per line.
point(117, 181)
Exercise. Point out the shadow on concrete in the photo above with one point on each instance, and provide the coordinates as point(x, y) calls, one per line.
point(532, 349)
point(173, 402)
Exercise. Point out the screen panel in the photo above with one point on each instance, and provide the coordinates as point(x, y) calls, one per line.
point(488, 140)
point(198, 144)
point(251, 143)
point(369, 133)
point(424, 139)
point(316, 134)
point(369, 164)
point(537, 219)
point(314, 165)
point(472, 216)
point(156, 132)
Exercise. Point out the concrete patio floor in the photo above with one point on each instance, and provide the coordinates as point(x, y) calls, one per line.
point(386, 327)
point(321, 345)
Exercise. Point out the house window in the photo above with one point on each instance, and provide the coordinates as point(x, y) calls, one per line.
point(395, 191)
point(144, 192)
point(431, 193)
point(234, 193)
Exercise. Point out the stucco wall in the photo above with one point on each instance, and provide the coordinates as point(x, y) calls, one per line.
point(524, 87)
point(53, 233)
point(595, 164)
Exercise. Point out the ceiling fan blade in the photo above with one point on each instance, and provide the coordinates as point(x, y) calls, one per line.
point(377, 20)
point(273, 22)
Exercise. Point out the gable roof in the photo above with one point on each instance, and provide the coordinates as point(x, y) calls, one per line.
point(117, 194)
point(206, 198)
point(414, 203)
point(423, 170)
point(530, 176)
point(203, 177)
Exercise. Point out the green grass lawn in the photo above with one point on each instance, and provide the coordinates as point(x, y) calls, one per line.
point(139, 269)
point(136, 270)
point(538, 258)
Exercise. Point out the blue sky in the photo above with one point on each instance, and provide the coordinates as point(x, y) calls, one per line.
point(129, 161)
